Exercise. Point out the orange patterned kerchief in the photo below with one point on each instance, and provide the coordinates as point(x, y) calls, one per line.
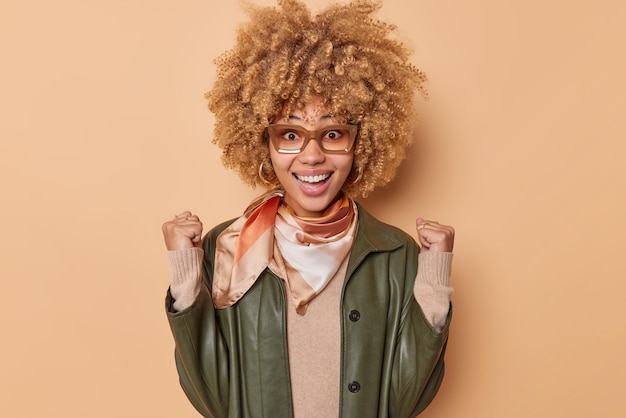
point(312, 249)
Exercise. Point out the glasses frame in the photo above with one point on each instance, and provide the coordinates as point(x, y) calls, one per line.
point(316, 135)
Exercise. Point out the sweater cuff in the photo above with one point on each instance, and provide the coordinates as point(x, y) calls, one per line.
point(434, 267)
point(186, 266)
point(431, 288)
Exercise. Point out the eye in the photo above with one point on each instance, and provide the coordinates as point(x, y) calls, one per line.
point(290, 136)
point(333, 135)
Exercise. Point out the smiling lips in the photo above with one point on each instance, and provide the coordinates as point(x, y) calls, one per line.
point(313, 185)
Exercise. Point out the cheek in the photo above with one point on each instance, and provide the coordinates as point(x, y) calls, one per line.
point(280, 162)
point(344, 163)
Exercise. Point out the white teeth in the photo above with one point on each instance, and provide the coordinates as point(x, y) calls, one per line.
point(313, 179)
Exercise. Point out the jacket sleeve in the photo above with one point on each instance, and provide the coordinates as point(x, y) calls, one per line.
point(201, 354)
point(418, 365)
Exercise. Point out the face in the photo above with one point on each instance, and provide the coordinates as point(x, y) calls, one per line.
point(312, 179)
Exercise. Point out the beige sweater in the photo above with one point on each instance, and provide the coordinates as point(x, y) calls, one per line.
point(314, 338)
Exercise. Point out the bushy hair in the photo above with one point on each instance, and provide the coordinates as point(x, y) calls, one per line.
point(284, 56)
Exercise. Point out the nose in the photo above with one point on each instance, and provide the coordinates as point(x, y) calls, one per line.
point(312, 153)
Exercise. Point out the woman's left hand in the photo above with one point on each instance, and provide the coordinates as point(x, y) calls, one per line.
point(433, 236)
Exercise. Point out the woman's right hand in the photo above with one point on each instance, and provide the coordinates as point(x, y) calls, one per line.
point(183, 232)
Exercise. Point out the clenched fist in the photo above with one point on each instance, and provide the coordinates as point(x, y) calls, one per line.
point(433, 236)
point(183, 232)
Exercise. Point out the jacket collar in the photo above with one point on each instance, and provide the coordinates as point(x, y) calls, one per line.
point(372, 236)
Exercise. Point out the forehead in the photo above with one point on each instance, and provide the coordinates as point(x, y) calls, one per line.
point(312, 111)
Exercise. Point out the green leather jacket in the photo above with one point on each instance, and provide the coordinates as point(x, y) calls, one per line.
point(234, 362)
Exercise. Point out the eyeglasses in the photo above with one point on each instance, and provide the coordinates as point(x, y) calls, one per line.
point(332, 139)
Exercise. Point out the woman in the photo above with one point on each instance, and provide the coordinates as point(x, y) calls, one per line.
point(306, 305)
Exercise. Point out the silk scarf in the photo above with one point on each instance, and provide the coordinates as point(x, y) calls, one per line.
point(269, 234)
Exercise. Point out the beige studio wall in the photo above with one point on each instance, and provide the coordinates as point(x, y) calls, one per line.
point(104, 134)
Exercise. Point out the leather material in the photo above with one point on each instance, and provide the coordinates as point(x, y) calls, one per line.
point(233, 362)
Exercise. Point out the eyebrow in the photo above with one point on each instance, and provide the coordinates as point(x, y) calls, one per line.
point(298, 118)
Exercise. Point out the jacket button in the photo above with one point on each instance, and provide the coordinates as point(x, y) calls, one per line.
point(354, 387)
point(354, 315)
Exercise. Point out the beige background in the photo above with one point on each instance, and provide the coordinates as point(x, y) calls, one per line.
point(105, 134)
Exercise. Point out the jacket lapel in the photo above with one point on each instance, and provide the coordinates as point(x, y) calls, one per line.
point(372, 236)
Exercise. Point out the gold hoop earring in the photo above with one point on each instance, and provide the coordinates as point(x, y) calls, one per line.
point(358, 177)
point(262, 176)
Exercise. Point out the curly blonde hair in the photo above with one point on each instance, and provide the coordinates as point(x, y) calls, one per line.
point(284, 57)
